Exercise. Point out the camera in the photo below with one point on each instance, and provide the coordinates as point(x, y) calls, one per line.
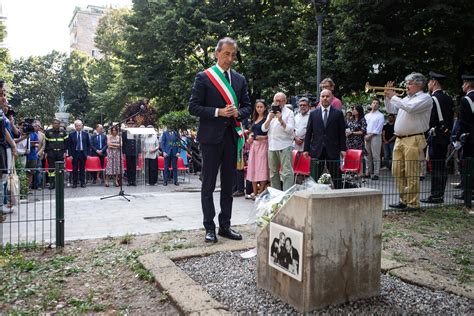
point(28, 126)
point(10, 111)
point(275, 108)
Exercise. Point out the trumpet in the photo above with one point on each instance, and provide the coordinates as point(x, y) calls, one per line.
point(380, 90)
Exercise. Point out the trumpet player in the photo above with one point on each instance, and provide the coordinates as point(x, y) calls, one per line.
point(441, 121)
point(413, 117)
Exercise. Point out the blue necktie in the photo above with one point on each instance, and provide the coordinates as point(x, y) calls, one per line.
point(100, 141)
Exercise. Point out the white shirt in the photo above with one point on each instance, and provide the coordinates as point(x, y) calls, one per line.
point(216, 114)
point(413, 113)
point(278, 137)
point(322, 111)
point(301, 123)
point(150, 143)
point(375, 121)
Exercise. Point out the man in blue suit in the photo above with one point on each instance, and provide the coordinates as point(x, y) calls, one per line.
point(220, 99)
point(98, 148)
point(78, 148)
point(325, 139)
point(170, 145)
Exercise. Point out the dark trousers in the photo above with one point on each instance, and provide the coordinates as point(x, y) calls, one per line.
point(467, 153)
point(131, 169)
point(223, 155)
point(79, 168)
point(332, 163)
point(238, 185)
point(53, 156)
point(151, 166)
point(173, 160)
point(439, 173)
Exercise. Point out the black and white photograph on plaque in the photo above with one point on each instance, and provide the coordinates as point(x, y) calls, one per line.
point(286, 245)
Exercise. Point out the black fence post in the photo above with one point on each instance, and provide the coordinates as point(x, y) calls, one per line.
point(59, 179)
point(468, 182)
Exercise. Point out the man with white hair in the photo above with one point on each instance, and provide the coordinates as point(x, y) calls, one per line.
point(413, 119)
point(78, 148)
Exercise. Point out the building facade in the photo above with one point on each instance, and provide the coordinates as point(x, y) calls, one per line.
point(82, 29)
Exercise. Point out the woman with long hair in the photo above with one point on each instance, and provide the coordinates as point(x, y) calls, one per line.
point(114, 157)
point(257, 168)
point(356, 129)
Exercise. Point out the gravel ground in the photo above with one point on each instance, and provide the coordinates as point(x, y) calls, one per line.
point(232, 280)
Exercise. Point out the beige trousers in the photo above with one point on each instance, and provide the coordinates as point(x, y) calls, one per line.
point(406, 168)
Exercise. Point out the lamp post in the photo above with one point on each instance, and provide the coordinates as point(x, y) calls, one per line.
point(318, 9)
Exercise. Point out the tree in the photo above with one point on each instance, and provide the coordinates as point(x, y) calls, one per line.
point(75, 84)
point(36, 85)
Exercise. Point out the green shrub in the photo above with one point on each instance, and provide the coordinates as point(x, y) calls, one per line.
point(178, 120)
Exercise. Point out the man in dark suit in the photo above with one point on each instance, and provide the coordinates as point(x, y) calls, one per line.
point(325, 139)
point(466, 126)
point(170, 144)
point(131, 148)
point(79, 148)
point(220, 113)
point(440, 133)
point(98, 148)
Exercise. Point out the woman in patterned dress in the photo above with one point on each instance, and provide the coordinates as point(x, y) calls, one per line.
point(114, 157)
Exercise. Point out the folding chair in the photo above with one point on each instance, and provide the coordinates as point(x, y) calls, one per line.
point(352, 166)
point(182, 168)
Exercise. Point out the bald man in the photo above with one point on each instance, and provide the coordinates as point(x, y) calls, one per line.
point(325, 139)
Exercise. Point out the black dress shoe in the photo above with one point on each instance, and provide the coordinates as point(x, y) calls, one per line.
point(52, 186)
point(83, 185)
point(134, 184)
point(432, 200)
point(411, 209)
point(399, 206)
point(176, 183)
point(74, 186)
point(210, 236)
point(165, 184)
point(238, 194)
point(375, 177)
point(229, 233)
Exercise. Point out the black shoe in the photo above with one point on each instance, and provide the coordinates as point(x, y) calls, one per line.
point(238, 193)
point(422, 178)
point(375, 177)
point(229, 233)
point(432, 200)
point(74, 186)
point(52, 186)
point(176, 183)
point(411, 209)
point(129, 184)
point(94, 181)
point(134, 184)
point(83, 185)
point(399, 206)
point(165, 184)
point(210, 236)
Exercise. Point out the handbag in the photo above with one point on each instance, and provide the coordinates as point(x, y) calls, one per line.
point(13, 186)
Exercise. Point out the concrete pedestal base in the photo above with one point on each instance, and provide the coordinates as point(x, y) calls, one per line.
point(341, 251)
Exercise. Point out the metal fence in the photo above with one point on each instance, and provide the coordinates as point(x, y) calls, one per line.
point(37, 215)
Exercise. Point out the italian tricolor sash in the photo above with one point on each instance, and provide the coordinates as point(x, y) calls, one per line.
point(227, 92)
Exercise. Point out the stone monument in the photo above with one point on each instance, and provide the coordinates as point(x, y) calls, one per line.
point(332, 248)
point(62, 115)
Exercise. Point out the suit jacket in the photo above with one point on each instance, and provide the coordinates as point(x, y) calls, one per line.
point(446, 105)
point(205, 98)
point(332, 137)
point(96, 146)
point(466, 119)
point(170, 143)
point(130, 147)
point(72, 144)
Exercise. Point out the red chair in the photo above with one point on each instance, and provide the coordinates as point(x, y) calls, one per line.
point(352, 166)
point(93, 164)
point(301, 165)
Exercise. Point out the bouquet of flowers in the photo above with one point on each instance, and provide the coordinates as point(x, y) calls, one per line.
point(272, 200)
point(325, 178)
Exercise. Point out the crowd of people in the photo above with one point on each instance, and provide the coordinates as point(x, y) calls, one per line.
point(413, 128)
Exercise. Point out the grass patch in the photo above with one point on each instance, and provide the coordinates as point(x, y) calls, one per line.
point(125, 240)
